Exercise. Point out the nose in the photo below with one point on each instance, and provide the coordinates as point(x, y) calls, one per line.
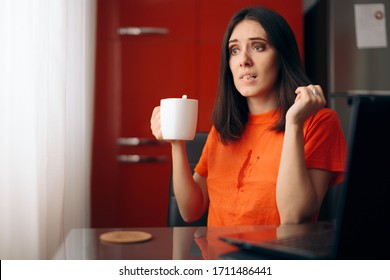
point(245, 59)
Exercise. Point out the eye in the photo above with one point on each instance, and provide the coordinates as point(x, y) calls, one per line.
point(258, 47)
point(234, 50)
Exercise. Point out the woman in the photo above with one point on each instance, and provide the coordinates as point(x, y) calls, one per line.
point(273, 150)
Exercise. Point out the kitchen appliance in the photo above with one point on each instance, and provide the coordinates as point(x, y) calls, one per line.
point(358, 52)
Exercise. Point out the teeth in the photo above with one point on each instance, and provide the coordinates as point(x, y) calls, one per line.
point(249, 77)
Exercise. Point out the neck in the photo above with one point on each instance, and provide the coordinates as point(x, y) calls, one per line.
point(259, 105)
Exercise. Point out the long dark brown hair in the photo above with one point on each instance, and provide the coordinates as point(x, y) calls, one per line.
point(230, 114)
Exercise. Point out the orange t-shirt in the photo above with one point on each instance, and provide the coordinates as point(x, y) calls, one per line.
point(241, 177)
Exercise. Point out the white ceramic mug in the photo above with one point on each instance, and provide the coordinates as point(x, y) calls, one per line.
point(179, 118)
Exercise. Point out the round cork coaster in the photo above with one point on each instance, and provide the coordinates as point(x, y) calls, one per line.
point(125, 236)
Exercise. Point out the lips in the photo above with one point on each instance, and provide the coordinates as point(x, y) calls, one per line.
point(248, 76)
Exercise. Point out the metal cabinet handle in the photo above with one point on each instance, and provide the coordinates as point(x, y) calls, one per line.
point(139, 159)
point(135, 141)
point(136, 31)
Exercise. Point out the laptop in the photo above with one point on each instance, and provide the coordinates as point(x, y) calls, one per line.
point(361, 228)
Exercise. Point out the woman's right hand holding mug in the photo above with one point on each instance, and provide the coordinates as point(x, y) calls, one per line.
point(175, 119)
point(155, 123)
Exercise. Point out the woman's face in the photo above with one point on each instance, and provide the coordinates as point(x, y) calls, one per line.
point(253, 61)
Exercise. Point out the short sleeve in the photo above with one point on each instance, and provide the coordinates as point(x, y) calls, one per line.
point(324, 143)
point(202, 167)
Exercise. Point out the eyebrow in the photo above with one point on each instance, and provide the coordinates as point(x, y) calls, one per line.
point(250, 39)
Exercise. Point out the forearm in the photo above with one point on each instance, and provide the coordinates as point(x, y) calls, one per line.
point(295, 194)
point(188, 194)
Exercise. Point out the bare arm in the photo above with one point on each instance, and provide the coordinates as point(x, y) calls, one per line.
point(300, 191)
point(190, 190)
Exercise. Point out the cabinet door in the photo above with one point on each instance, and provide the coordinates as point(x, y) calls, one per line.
point(146, 53)
point(158, 64)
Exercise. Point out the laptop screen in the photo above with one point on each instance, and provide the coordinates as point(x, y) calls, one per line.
point(365, 213)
